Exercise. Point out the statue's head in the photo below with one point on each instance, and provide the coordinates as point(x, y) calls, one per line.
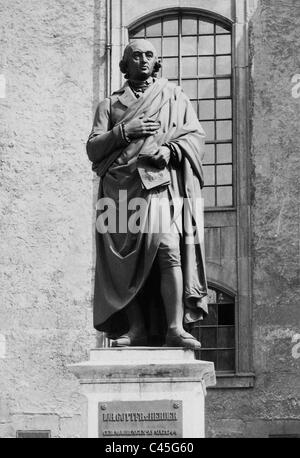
point(139, 60)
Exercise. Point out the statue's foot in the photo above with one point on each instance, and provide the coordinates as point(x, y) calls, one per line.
point(184, 339)
point(126, 340)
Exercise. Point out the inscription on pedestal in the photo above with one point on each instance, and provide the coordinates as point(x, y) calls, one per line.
point(161, 418)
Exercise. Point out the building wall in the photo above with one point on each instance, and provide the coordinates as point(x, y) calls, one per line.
point(51, 59)
point(54, 62)
point(272, 406)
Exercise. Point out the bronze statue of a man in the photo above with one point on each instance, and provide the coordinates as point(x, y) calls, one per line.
point(146, 145)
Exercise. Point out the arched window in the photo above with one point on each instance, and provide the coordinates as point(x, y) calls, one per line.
point(196, 53)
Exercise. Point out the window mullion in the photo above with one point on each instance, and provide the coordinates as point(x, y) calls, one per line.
point(161, 42)
point(215, 114)
point(179, 49)
point(198, 111)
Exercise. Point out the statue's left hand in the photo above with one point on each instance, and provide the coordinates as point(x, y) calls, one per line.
point(161, 158)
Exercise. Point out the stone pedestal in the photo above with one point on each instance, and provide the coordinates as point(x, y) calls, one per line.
point(144, 392)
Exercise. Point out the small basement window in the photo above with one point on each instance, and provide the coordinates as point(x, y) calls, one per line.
point(216, 332)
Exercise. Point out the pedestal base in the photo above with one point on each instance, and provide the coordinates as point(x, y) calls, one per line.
point(144, 392)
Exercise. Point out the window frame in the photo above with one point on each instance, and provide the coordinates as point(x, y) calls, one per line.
point(230, 294)
point(119, 22)
point(180, 16)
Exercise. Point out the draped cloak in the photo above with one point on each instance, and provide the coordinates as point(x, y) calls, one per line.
point(125, 261)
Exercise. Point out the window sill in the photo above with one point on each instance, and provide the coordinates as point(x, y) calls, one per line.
point(233, 381)
point(219, 209)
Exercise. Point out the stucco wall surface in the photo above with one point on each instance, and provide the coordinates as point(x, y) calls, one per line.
point(273, 405)
point(48, 59)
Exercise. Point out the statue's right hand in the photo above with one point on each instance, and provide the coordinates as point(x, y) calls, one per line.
point(141, 127)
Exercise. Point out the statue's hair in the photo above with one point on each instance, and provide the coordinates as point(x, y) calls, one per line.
point(123, 63)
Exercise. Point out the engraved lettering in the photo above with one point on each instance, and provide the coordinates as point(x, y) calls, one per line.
point(140, 419)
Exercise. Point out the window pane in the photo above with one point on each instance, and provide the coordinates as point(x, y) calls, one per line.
point(209, 197)
point(189, 26)
point(170, 47)
point(189, 45)
point(226, 360)
point(211, 318)
point(224, 152)
point(223, 298)
point(157, 44)
point(206, 66)
point(174, 81)
point(223, 65)
point(223, 88)
point(209, 129)
point(209, 337)
point(209, 175)
point(206, 27)
point(189, 66)
point(137, 33)
point(206, 109)
point(220, 29)
point(206, 45)
point(190, 88)
point(209, 154)
point(226, 314)
point(206, 89)
point(209, 355)
point(170, 67)
point(224, 174)
point(224, 130)
point(226, 337)
point(224, 109)
point(196, 332)
point(223, 44)
point(170, 26)
point(224, 196)
point(195, 106)
point(153, 28)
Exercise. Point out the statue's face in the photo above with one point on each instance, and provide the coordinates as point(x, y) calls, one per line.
point(141, 60)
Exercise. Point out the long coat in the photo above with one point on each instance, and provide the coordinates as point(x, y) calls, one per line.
point(125, 261)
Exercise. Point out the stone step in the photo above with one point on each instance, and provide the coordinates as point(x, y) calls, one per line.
point(145, 355)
